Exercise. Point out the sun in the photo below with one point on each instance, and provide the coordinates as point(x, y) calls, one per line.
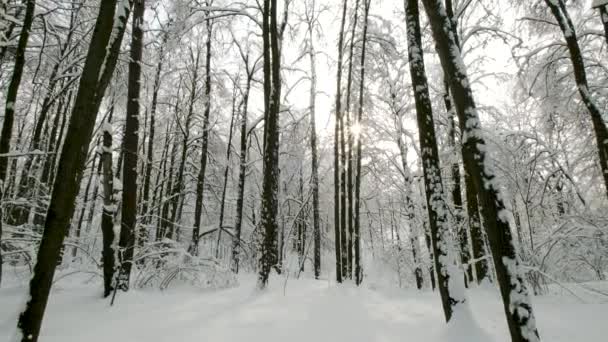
point(355, 129)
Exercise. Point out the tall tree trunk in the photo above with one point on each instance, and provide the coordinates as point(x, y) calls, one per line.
point(130, 145)
point(314, 178)
point(559, 11)
point(517, 306)
point(451, 299)
point(357, 230)
point(200, 181)
point(348, 167)
point(98, 69)
point(109, 238)
point(236, 243)
point(337, 206)
point(11, 99)
point(272, 101)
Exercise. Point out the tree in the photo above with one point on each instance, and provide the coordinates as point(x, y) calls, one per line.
point(236, 244)
point(200, 184)
point(130, 148)
point(99, 67)
point(311, 18)
point(451, 299)
point(516, 302)
point(272, 101)
point(357, 229)
point(337, 206)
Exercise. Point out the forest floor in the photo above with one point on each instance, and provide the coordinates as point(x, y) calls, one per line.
point(303, 310)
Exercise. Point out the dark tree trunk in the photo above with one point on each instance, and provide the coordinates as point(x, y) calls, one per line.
point(98, 69)
point(272, 100)
point(357, 230)
point(436, 205)
point(130, 145)
point(200, 181)
point(348, 167)
point(11, 99)
point(109, 242)
point(559, 11)
point(517, 306)
point(314, 177)
point(337, 206)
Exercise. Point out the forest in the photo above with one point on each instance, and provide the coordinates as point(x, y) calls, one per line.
point(304, 170)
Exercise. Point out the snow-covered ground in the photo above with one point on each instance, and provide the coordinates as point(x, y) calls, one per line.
point(303, 310)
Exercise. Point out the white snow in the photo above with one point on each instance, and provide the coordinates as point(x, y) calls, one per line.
point(306, 311)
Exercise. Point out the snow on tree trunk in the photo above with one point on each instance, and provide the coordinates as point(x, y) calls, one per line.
point(516, 300)
point(450, 287)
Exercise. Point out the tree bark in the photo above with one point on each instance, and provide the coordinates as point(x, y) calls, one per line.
point(98, 69)
point(314, 178)
point(200, 183)
point(357, 229)
point(272, 101)
point(109, 240)
point(517, 306)
point(337, 187)
point(130, 145)
point(436, 206)
point(348, 167)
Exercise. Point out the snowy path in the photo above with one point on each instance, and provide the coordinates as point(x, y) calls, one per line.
point(309, 311)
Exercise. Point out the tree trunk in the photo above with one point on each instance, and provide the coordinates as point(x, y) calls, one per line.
point(98, 69)
point(517, 306)
point(436, 205)
point(109, 240)
point(272, 101)
point(236, 243)
point(200, 183)
point(130, 145)
point(357, 230)
point(314, 178)
point(348, 167)
point(337, 187)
